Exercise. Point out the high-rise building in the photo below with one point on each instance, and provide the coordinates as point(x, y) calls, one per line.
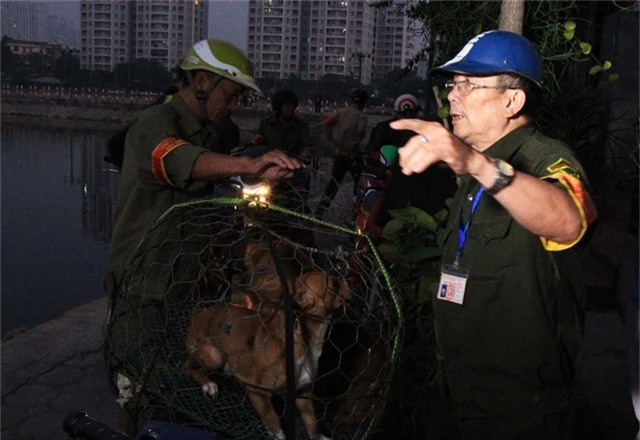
point(119, 31)
point(310, 38)
point(24, 20)
point(313, 38)
point(394, 39)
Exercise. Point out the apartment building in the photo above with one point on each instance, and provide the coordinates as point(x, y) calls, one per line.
point(119, 31)
point(310, 39)
point(395, 41)
point(313, 38)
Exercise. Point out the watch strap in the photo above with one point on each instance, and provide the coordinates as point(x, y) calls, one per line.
point(502, 179)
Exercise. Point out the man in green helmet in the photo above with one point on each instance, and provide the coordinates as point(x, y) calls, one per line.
point(173, 153)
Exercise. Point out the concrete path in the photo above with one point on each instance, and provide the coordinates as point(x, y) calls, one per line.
point(53, 369)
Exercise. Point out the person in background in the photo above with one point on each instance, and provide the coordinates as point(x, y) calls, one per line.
point(508, 310)
point(173, 154)
point(285, 131)
point(345, 131)
point(427, 190)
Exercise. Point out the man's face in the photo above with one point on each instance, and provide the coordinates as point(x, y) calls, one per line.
point(288, 109)
point(477, 110)
point(223, 100)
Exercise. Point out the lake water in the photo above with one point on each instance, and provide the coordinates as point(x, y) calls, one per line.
point(57, 205)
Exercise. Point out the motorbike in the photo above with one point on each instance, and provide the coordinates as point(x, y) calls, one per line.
point(374, 173)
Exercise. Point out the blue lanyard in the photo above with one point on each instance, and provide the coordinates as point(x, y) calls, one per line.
point(462, 231)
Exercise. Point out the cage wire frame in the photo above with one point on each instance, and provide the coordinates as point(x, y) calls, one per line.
point(144, 330)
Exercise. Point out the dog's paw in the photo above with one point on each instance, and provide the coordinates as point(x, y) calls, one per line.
point(126, 389)
point(278, 435)
point(210, 388)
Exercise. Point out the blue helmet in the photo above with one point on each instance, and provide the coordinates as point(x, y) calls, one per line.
point(496, 52)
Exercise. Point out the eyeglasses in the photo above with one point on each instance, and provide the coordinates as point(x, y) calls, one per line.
point(465, 87)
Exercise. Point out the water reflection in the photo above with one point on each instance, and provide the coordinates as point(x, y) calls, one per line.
point(57, 209)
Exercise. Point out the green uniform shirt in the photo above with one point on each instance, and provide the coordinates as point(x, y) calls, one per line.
point(160, 150)
point(291, 136)
point(346, 129)
point(512, 346)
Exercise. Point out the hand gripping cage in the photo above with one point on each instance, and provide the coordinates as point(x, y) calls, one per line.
point(202, 256)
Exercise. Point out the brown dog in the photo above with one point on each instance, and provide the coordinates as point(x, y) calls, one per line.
point(250, 345)
point(260, 281)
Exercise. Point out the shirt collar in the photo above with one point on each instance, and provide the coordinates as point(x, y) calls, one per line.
point(189, 125)
point(506, 146)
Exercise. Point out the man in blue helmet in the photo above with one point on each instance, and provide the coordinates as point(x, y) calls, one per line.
point(508, 313)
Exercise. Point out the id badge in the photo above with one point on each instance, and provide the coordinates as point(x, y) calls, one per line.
point(453, 282)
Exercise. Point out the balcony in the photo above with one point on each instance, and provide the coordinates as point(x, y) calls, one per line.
point(158, 53)
point(275, 48)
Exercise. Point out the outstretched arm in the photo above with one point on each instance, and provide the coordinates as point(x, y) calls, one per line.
point(272, 165)
point(538, 205)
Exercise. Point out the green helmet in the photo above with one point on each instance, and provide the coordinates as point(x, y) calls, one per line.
point(223, 59)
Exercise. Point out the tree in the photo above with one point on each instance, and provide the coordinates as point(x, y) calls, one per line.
point(12, 65)
point(512, 15)
point(66, 67)
point(142, 74)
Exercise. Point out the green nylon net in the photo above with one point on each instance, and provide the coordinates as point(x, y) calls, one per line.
point(201, 254)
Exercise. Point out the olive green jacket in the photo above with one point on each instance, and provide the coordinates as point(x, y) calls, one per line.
point(160, 149)
point(346, 130)
point(513, 345)
point(286, 135)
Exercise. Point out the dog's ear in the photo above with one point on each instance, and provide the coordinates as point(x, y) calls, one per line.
point(344, 291)
point(304, 295)
point(340, 291)
point(307, 288)
point(250, 248)
point(304, 260)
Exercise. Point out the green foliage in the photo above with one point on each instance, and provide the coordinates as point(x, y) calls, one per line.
point(414, 250)
point(454, 23)
point(12, 65)
point(142, 74)
point(414, 253)
point(573, 108)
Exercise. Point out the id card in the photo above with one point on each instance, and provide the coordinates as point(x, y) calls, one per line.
point(453, 282)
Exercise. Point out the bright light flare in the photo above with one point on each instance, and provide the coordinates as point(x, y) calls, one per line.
point(258, 193)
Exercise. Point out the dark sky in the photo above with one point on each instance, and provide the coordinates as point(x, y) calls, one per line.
point(227, 18)
point(228, 21)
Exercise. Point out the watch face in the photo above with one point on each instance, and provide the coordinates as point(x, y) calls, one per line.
point(505, 168)
point(504, 176)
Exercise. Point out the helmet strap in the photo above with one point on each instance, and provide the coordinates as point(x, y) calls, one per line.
point(202, 95)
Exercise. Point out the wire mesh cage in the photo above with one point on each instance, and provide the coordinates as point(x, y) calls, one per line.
point(229, 311)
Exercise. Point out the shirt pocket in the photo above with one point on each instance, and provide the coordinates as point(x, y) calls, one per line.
point(488, 251)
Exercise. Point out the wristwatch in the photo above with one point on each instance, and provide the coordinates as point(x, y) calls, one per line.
point(504, 176)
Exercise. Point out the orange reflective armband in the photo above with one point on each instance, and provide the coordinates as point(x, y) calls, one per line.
point(583, 202)
point(157, 158)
